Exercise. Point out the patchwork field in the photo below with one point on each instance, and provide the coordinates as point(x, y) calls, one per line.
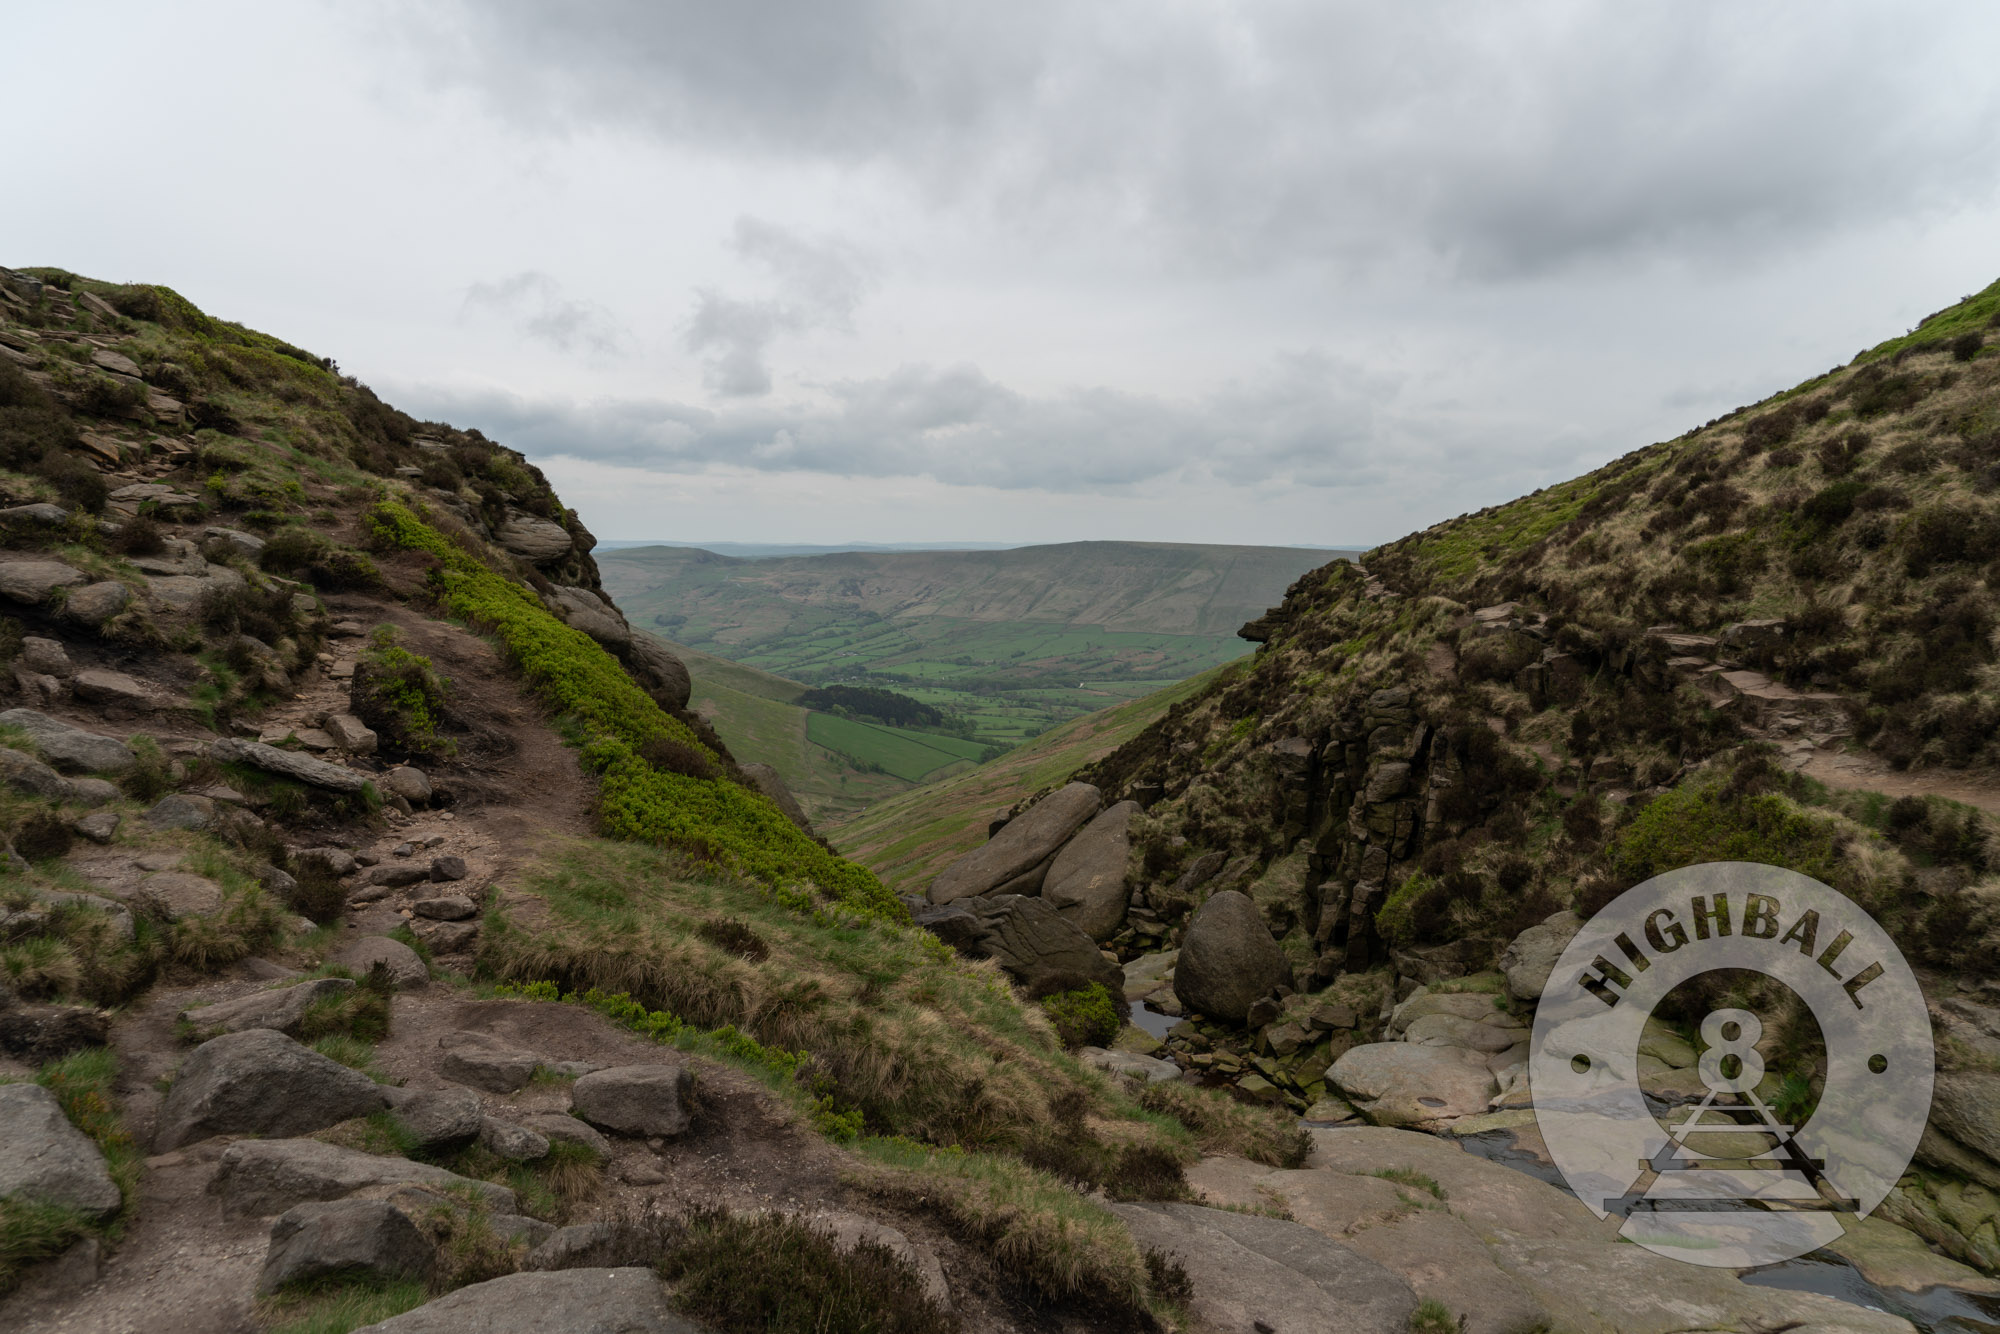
point(1013, 641)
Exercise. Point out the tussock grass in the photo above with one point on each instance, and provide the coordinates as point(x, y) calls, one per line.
point(922, 1043)
point(340, 1305)
point(1221, 1124)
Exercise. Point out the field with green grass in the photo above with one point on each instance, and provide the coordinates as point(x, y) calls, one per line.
point(908, 838)
point(1014, 642)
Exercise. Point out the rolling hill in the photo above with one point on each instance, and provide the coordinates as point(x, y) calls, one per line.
point(1016, 641)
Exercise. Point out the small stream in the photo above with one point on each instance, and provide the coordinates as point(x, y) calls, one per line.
point(1150, 1019)
point(1937, 1310)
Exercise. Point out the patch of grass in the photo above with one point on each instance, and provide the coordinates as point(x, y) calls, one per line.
point(1404, 1176)
point(337, 1306)
point(399, 694)
point(1060, 1243)
point(32, 1231)
point(715, 818)
point(353, 1052)
point(361, 1014)
point(750, 1274)
point(1434, 1317)
point(1221, 1124)
point(900, 1033)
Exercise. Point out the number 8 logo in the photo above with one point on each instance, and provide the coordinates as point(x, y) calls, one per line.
point(1732, 1063)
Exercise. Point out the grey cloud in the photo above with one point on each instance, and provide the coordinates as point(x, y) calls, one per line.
point(819, 285)
point(1308, 422)
point(1498, 140)
point(534, 303)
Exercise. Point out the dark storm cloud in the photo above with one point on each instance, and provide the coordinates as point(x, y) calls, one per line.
point(1306, 421)
point(1495, 139)
point(534, 303)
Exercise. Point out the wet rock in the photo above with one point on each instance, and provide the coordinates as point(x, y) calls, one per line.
point(175, 895)
point(325, 1238)
point(447, 868)
point(406, 970)
point(1247, 1272)
point(485, 1062)
point(37, 1033)
point(31, 581)
point(280, 1009)
point(43, 1157)
point(772, 784)
point(350, 733)
point(181, 810)
point(269, 1176)
point(287, 764)
point(1041, 948)
point(517, 1144)
point(642, 1100)
point(1533, 953)
point(94, 604)
point(449, 908)
point(1029, 839)
point(409, 784)
point(568, 1301)
point(259, 1082)
point(25, 773)
point(441, 1116)
point(111, 689)
point(1403, 1084)
point(1228, 959)
point(1086, 882)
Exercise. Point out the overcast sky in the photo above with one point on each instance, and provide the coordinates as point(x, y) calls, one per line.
point(833, 270)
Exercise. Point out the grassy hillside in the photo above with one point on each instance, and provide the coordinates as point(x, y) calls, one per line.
point(836, 767)
point(1015, 641)
point(909, 838)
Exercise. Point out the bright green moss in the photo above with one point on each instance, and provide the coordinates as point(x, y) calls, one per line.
point(715, 817)
point(1707, 823)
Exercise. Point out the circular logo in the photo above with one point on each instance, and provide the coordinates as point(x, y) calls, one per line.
point(1709, 1166)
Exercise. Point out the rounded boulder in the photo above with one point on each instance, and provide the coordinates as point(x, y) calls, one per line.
point(1228, 960)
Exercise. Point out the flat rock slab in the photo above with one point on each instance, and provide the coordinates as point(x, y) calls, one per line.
point(1025, 843)
point(1493, 1200)
point(181, 810)
point(445, 908)
point(636, 1099)
point(1249, 1272)
point(31, 581)
point(441, 1116)
point(565, 1301)
point(43, 1157)
point(261, 1177)
point(483, 1061)
point(69, 748)
point(260, 1082)
point(1146, 1069)
point(287, 764)
point(116, 689)
point(279, 1010)
point(1403, 1084)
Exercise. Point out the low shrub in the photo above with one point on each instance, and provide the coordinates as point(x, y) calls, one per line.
point(750, 1273)
point(399, 694)
point(1087, 1017)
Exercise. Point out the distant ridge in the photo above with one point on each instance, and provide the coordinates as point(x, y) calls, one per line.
point(770, 550)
